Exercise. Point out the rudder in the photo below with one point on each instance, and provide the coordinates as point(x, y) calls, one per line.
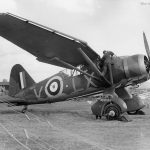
point(19, 79)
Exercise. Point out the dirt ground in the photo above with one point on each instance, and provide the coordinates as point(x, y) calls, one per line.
point(70, 126)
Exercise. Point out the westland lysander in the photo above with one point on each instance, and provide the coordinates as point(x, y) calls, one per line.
point(106, 77)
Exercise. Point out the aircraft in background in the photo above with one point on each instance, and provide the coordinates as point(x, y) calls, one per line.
point(89, 74)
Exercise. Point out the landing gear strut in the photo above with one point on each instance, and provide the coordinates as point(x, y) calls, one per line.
point(24, 109)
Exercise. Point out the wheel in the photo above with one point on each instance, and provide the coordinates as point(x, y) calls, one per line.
point(24, 109)
point(132, 112)
point(137, 112)
point(112, 111)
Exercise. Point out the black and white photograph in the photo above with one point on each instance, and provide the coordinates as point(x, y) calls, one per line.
point(74, 74)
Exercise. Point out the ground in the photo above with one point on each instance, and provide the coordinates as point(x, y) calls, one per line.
point(70, 126)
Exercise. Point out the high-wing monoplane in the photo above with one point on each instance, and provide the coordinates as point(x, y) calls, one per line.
point(106, 77)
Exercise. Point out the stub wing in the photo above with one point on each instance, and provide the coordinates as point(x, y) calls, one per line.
point(43, 42)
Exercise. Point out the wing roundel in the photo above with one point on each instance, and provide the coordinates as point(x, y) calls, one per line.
point(43, 42)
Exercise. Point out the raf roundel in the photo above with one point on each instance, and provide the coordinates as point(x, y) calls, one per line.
point(54, 86)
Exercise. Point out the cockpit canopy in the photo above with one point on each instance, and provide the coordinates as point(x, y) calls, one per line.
point(73, 72)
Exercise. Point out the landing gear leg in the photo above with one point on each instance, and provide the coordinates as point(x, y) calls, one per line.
point(24, 109)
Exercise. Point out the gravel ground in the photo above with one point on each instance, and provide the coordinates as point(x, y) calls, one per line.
point(70, 126)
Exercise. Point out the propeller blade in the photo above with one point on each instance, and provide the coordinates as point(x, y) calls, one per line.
point(146, 46)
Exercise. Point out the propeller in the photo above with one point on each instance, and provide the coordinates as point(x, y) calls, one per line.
point(147, 62)
point(146, 46)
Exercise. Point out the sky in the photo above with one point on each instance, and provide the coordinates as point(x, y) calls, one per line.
point(115, 25)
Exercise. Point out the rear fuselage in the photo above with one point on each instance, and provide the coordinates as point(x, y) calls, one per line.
point(59, 87)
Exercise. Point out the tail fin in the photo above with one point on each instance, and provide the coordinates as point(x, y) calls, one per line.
point(19, 79)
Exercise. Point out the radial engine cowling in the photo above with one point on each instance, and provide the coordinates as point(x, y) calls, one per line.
point(135, 65)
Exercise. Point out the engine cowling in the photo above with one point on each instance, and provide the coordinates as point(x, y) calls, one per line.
point(135, 66)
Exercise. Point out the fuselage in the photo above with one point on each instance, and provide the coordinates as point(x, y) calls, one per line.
point(62, 86)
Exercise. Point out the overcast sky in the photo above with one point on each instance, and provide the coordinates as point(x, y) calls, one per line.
point(115, 25)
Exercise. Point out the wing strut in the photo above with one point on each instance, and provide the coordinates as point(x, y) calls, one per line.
point(110, 73)
point(92, 65)
point(69, 66)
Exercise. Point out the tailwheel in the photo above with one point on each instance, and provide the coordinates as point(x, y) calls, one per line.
point(112, 111)
point(24, 109)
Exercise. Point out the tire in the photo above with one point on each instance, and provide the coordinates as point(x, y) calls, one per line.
point(137, 112)
point(132, 112)
point(112, 107)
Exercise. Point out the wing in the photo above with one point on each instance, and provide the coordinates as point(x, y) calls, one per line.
point(43, 42)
